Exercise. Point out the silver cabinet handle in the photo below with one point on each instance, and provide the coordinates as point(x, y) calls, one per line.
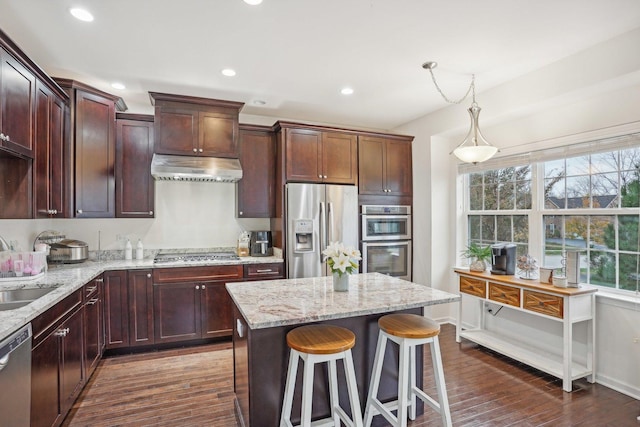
point(264, 271)
point(79, 211)
point(200, 150)
point(197, 287)
point(62, 332)
point(100, 280)
point(7, 138)
point(324, 176)
point(195, 150)
point(148, 275)
point(203, 287)
point(91, 289)
point(2, 137)
point(92, 301)
point(240, 213)
point(320, 176)
point(150, 212)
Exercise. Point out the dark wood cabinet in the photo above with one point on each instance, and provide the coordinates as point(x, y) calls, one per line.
point(314, 155)
point(92, 138)
point(384, 166)
point(135, 189)
point(57, 373)
point(255, 192)
point(186, 125)
point(17, 102)
point(264, 271)
point(50, 154)
point(192, 303)
point(128, 306)
point(94, 325)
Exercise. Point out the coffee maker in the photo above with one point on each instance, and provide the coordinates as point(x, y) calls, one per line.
point(503, 259)
point(261, 243)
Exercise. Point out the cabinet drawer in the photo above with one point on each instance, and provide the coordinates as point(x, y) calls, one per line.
point(263, 271)
point(473, 287)
point(551, 305)
point(504, 294)
point(197, 274)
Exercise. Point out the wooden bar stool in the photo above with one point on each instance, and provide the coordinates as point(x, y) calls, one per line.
point(318, 344)
point(408, 331)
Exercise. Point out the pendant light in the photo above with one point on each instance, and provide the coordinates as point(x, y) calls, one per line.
point(474, 148)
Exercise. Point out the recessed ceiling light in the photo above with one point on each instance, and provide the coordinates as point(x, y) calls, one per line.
point(228, 72)
point(253, 2)
point(81, 14)
point(346, 91)
point(118, 86)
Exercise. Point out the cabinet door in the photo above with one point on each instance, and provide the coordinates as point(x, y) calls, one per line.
point(17, 100)
point(94, 326)
point(217, 310)
point(218, 134)
point(339, 158)
point(95, 156)
point(45, 383)
point(49, 154)
point(303, 155)
point(140, 307)
point(256, 190)
point(176, 308)
point(398, 168)
point(71, 356)
point(135, 188)
point(371, 165)
point(116, 311)
point(176, 131)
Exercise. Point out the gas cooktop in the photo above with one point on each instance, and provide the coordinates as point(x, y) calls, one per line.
point(194, 257)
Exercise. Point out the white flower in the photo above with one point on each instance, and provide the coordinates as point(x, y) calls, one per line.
point(341, 259)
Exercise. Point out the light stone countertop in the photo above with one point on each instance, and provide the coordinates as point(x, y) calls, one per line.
point(285, 302)
point(67, 278)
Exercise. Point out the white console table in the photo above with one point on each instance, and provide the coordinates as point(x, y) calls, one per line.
point(566, 305)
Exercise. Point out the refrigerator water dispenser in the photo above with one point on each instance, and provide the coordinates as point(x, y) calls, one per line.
point(303, 229)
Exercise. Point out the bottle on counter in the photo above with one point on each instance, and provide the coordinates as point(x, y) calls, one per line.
point(128, 250)
point(139, 250)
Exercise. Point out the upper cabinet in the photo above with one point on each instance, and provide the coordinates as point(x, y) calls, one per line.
point(186, 125)
point(135, 188)
point(384, 165)
point(319, 155)
point(51, 154)
point(17, 100)
point(255, 192)
point(92, 137)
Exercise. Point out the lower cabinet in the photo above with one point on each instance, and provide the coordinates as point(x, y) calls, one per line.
point(57, 374)
point(128, 306)
point(192, 303)
point(93, 325)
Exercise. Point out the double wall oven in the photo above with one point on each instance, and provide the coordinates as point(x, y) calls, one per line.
point(386, 240)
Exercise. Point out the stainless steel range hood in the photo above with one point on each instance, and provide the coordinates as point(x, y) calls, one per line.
point(196, 169)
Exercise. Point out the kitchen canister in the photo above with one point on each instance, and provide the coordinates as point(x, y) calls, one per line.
point(546, 274)
point(573, 267)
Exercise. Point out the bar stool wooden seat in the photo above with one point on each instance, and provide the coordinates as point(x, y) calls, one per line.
point(408, 331)
point(318, 344)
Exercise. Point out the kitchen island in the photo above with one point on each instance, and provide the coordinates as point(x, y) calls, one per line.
point(266, 311)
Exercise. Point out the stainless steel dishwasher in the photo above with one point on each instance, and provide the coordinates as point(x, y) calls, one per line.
point(15, 379)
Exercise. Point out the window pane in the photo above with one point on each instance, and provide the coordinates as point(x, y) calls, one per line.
point(504, 229)
point(578, 192)
point(554, 193)
point(475, 197)
point(575, 232)
point(554, 169)
point(604, 190)
point(602, 233)
point(578, 166)
point(629, 272)
point(523, 194)
point(521, 229)
point(602, 268)
point(523, 173)
point(475, 179)
point(604, 162)
point(506, 196)
point(490, 194)
point(627, 233)
point(488, 229)
point(630, 159)
point(474, 228)
point(552, 241)
point(630, 190)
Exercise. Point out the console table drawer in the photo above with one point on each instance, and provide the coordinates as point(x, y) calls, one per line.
point(551, 305)
point(504, 294)
point(473, 287)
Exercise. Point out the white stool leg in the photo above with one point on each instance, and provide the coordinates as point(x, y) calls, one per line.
point(403, 380)
point(436, 359)
point(334, 398)
point(352, 386)
point(285, 417)
point(412, 382)
point(375, 379)
point(307, 391)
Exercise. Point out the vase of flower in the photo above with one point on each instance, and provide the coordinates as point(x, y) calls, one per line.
point(480, 256)
point(342, 261)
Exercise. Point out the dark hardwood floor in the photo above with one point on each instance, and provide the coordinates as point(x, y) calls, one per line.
point(194, 387)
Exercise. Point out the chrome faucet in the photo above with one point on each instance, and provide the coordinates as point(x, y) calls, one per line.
point(4, 246)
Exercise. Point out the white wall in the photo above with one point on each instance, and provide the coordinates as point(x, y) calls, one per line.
point(592, 93)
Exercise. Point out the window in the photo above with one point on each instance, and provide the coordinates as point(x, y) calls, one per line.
point(588, 195)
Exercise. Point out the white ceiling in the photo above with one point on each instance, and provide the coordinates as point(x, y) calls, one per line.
point(297, 54)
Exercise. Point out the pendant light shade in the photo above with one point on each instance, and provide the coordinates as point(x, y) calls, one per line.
point(474, 148)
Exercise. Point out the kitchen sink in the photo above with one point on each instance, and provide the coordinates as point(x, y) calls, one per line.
point(16, 298)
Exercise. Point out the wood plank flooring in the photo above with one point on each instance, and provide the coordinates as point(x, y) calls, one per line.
point(194, 387)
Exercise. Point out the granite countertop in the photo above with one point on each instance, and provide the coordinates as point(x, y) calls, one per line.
point(67, 278)
point(295, 301)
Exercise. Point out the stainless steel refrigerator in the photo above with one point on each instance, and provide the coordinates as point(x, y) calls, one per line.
point(318, 214)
